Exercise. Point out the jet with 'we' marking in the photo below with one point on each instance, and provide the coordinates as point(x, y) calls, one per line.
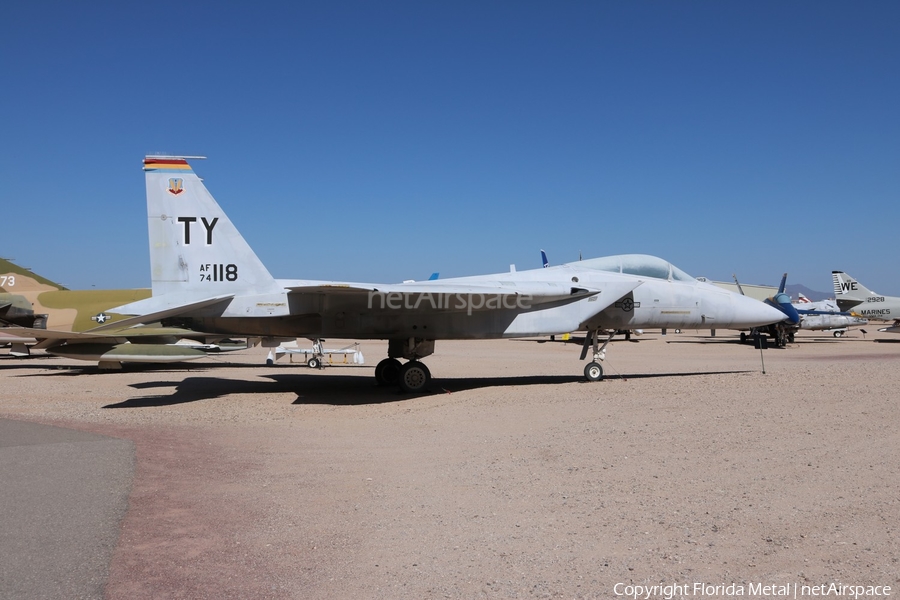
point(860, 301)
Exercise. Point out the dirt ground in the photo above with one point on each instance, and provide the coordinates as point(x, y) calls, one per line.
point(511, 478)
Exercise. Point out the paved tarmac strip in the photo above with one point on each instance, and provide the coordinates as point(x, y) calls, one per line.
point(511, 477)
point(63, 495)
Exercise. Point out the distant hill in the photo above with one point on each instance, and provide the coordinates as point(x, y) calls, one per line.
point(813, 295)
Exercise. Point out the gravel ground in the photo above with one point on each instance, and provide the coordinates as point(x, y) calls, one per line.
point(511, 478)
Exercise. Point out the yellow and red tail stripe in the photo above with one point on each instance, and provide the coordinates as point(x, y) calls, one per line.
point(178, 165)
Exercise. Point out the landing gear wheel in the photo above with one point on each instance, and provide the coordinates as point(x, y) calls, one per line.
point(838, 333)
point(790, 338)
point(743, 338)
point(593, 371)
point(414, 376)
point(387, 372)
point(313, 363)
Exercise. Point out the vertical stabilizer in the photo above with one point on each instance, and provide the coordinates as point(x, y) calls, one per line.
point(14, 278)
point(195, 250)
point(848, 288)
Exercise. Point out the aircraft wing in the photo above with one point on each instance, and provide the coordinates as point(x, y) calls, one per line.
point(53, 334)
point(824, 312)
point(129, 333)
point(455, 294)
point(50, 337)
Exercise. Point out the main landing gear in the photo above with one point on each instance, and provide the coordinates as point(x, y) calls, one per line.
point(593, 371)
point(781, 336)
point(413, 376)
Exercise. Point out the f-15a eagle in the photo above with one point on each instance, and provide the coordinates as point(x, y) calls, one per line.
point(206, 277)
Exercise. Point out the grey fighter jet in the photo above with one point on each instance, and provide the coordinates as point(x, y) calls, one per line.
point(206, 276)
point(856, 298)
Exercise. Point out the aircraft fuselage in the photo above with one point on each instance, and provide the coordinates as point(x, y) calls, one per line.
point(878, 308)
point(505, 309)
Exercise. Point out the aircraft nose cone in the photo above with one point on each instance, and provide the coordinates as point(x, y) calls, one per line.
point(755, 313)
point(783, 303)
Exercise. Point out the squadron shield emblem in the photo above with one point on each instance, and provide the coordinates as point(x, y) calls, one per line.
point(176, 186)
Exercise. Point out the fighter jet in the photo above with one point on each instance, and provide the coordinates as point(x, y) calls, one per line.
point(825, 315)
point(804, 314)
point(36, 313)
point(783, 331)
point(15, 307)
point(856, 298)
point(206, 277)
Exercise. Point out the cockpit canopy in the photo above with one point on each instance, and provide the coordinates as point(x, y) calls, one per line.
point(637, 264)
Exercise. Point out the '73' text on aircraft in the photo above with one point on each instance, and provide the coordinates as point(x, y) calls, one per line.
point(38, 314)
point(205, 276)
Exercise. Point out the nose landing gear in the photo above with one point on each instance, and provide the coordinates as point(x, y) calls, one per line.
point(593, 371)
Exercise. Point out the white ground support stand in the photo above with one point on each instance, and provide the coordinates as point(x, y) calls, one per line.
point(318, 356)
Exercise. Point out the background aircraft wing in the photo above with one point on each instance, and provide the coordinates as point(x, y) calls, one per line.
point(52, 334)
point(130, 333)
point(823, 312)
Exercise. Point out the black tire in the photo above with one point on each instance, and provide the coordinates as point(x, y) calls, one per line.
point(593, 371)
point(313, 363)
point(743, 338)
point(387, 372)
point(838, 333)
point(414, 377)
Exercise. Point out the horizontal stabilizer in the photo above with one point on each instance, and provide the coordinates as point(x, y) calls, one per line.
point(162, 314)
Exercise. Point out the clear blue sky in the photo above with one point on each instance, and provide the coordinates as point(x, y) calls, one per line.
point(381, 141)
